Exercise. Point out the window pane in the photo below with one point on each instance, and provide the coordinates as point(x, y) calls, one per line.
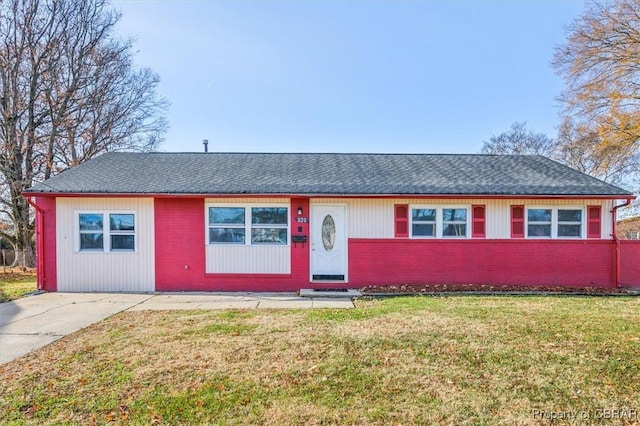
point(454, 215)
point(121, 222)
point(91, 242)
point(427, 215)
point(268, 236)
point(233, 215)
point(539, 230)
point(539, 215)
point(123, 242)
point(569, 215)
point(569, 231)
point(454, 230)
point(269, 215)
point(90, 222)
point(226, 235)
point(424, 230)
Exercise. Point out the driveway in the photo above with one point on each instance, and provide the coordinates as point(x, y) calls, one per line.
point(31, 322)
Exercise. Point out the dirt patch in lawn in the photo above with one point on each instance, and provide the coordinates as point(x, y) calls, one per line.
point(17, 274)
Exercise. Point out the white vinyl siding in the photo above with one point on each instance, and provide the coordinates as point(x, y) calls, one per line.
point(374, 217)
point(243, 259)
point(105, 270)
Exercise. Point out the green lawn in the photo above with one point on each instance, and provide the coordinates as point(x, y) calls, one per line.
point(410, 360)
point(15, 284)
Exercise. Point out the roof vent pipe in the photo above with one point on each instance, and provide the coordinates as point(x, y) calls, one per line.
point(205, 142)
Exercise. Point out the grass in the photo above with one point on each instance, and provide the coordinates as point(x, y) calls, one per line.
point(15, 283)
point(409, 360)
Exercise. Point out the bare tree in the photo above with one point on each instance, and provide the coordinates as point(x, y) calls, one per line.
point(519, 140)
point(600, 64)
point(68, 91)
point(580, 146)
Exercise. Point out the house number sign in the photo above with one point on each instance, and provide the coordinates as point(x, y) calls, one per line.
point(301, 220)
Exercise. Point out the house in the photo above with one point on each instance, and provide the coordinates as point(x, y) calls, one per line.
point(141, 222)
point(629, 228)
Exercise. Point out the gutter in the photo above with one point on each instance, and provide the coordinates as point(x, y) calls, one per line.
point(245, 193)
point(616, 266)
point(40, 275)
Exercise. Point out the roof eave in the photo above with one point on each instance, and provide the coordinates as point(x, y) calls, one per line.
point(326, 195)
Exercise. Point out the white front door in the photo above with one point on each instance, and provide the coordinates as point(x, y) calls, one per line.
point(328, 243)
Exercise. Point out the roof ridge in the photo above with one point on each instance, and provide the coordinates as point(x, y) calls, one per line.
point(398, 154)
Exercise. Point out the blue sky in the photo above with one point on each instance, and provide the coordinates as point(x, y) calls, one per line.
point(350, 76)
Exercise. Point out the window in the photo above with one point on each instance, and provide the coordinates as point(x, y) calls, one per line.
point(454, 222)
point(269, 225)
point(91, 231)
point(552, 222)
point(439, 222)
point(539, 222)
point(569, 223)
point(93, 235)
point(252, 225)
point(423, 222)
point(226, 225)
point(122, 227)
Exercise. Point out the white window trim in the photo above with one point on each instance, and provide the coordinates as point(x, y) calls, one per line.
point(554, 221)
point(247, 223)
point(106, 231)
point(439, 221)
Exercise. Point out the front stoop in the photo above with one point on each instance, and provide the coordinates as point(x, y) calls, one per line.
point(338, 293)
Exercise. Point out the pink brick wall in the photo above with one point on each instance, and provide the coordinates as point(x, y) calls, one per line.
point(502, 262)
point(180, 241)
point(630, 263)
point(46, 244)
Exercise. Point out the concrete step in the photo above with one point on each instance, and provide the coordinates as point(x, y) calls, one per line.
point(330, 292)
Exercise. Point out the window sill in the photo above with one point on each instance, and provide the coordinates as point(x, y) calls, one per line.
point(242, 275)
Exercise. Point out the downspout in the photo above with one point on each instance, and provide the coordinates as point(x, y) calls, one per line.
point(617, 240)
point(40, 275)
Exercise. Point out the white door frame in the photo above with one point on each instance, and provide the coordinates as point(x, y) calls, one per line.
point(312, 229)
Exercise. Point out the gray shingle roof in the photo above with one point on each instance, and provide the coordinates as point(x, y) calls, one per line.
point(354, 174)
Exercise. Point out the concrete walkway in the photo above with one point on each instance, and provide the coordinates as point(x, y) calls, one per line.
point(31, 322)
